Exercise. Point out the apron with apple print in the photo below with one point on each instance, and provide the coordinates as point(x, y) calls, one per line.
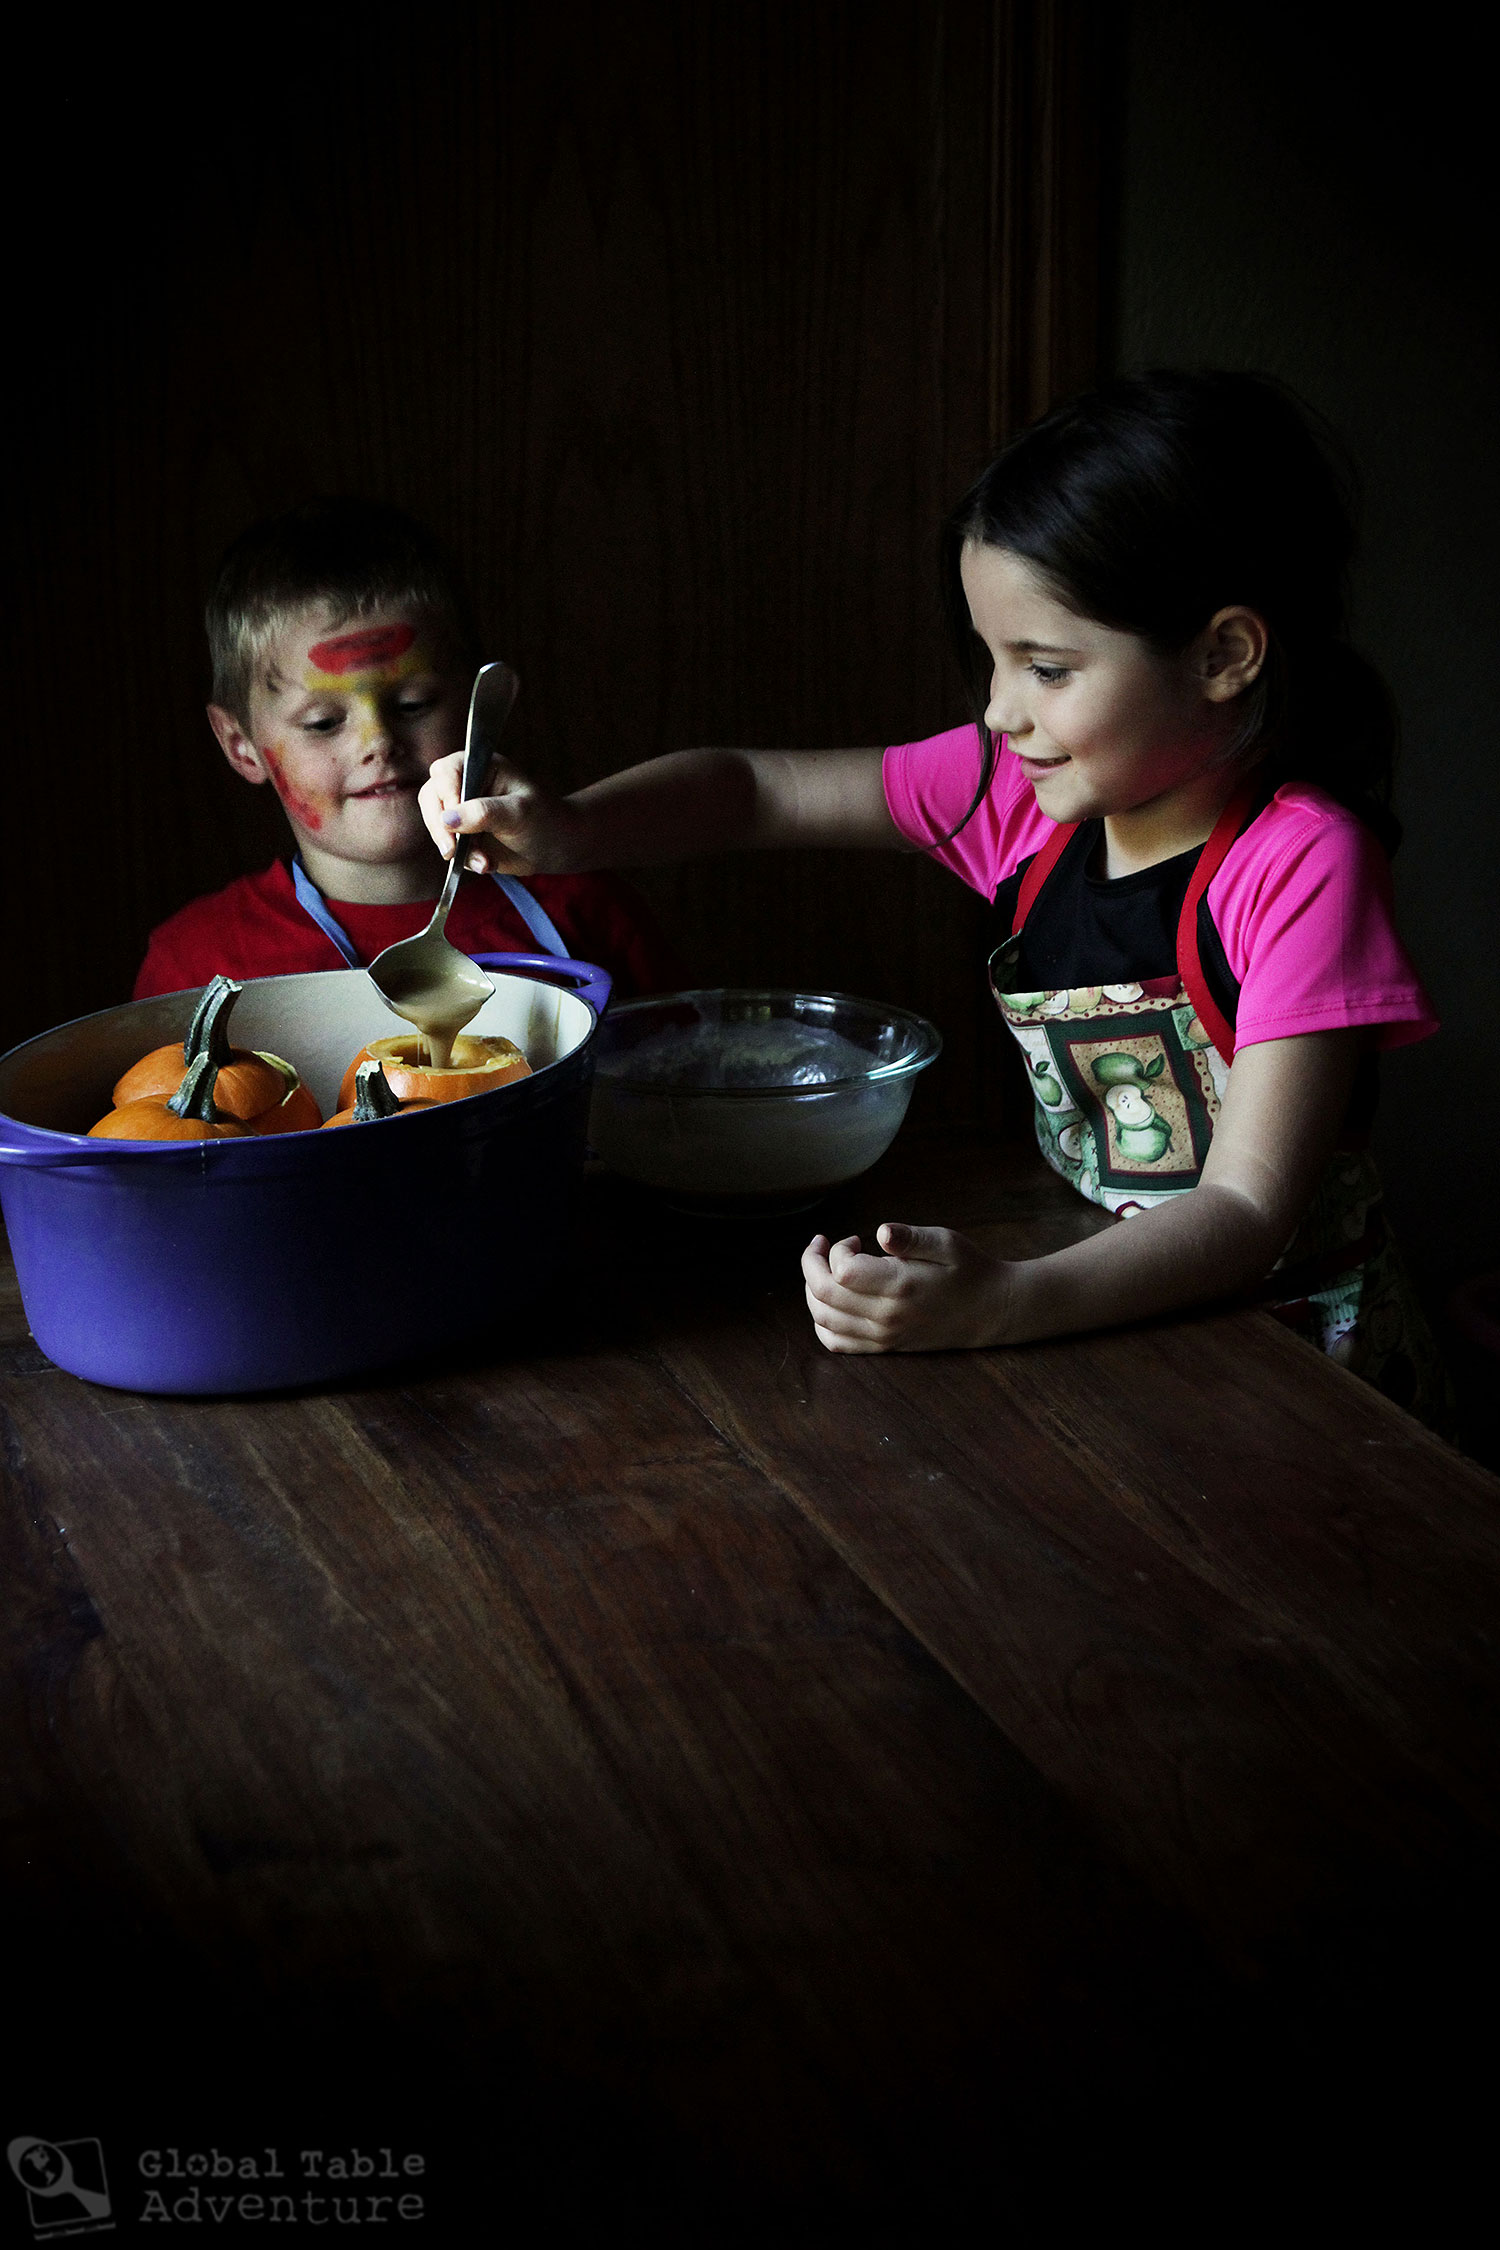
point(1128, 1080)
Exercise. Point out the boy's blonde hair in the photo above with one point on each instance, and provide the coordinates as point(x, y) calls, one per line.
point(352, 557)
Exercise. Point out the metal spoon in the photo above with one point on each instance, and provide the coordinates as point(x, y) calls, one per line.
point(425, 979)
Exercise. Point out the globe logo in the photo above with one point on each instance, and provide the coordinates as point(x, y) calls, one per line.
point(41, 2166)
point(49, 2171)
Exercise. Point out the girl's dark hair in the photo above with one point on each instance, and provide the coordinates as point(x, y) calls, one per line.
point(1160, 498)
point(353, 556)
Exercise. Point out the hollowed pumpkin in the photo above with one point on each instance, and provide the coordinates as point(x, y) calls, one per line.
point(479, 1065)
point(259, 1091)
point(373, 1098)
point(187, 1112)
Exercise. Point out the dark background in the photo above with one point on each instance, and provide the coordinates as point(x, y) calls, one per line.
point(1301, 193)
point(683, 325)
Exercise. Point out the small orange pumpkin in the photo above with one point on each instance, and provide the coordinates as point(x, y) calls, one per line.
point(260, 1091)
point(372, 1098)
point(187, 1113)
point(479, 1065)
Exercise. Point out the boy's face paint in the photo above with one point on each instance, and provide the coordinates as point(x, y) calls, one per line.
point(361, 652)
point(301, 810)
point(347, 726)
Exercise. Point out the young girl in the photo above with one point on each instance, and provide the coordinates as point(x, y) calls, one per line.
point(1180, 813)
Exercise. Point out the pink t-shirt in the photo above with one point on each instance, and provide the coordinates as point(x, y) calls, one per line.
point(1302, 902)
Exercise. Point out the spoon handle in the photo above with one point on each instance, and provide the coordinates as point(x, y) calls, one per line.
point(449, 890)
point(495, 690)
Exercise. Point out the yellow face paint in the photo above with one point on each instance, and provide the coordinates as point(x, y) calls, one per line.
point(360, 667)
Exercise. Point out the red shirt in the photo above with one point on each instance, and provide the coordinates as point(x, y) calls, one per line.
point(255, 928)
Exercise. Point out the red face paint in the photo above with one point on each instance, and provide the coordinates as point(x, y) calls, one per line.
point(357, 652)
point(298, 808)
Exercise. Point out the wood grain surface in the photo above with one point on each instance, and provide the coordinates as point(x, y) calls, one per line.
point(699, 1781)
point(682, 325)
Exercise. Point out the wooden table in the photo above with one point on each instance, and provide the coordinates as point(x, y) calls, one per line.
point(665, 1775)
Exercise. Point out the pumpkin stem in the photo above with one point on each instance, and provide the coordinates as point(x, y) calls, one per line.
point(208, 1033)
point(372, 1094)
point(195, 1096)
point(288, 1076)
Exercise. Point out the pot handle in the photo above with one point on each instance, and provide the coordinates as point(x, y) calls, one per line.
point(586, 978)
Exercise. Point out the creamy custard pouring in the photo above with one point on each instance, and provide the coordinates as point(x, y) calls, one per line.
point(424, 978)
point(438, 998)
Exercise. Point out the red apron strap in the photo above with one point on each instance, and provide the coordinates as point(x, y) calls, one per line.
point(1189, 966)
point(1040, 868)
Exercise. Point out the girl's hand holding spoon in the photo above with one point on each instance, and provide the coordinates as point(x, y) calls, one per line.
point(516, 829)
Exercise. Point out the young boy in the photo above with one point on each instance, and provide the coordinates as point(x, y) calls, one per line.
point(343, 659)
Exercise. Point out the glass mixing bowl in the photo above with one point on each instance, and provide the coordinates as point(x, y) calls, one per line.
point(753, 1097)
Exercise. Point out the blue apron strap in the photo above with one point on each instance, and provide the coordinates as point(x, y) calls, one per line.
point(310, 899)
point(534, 915)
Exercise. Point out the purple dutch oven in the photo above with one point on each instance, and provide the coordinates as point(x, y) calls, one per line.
point(255, 1264)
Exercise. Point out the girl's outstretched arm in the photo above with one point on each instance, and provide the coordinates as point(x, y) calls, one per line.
point(931, 1289)
point(677, 807)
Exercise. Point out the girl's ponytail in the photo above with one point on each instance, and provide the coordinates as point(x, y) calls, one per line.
point(1160, 499)
point(1340, 731)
